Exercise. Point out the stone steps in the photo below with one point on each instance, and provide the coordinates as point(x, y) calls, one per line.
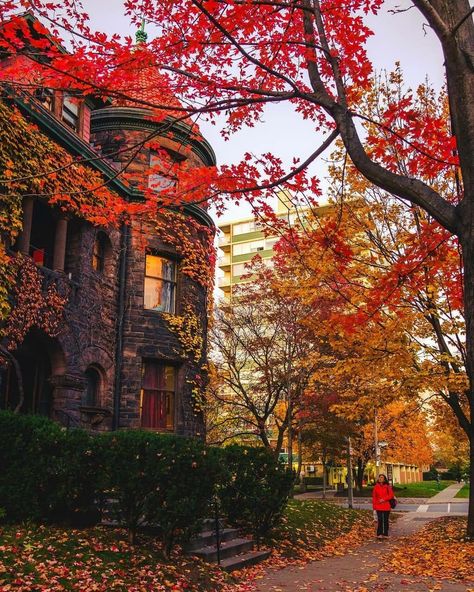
point(244, 560)
point(235, 552)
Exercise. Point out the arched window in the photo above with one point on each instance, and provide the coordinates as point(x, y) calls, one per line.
point(99, 252)
point(92, 392)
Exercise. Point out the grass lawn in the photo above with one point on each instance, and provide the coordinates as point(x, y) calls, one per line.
point(463, 492)
point(308, 526)
point(46, 558)
point(421, 489)
point(37, 558)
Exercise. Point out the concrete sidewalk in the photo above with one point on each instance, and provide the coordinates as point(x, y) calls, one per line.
point(446, 495)
point(359, 571)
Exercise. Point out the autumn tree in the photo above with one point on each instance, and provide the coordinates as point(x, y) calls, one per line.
point(324, 433)
point(262, 359)
point(451, 446)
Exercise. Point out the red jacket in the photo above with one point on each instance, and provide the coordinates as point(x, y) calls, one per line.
point(381, 494)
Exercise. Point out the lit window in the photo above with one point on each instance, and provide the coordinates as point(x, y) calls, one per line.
point(157, 395)
point(98, 253)
point(160, 284)
point(70, 113)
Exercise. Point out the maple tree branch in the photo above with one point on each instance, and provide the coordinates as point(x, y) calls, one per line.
point(225, 32)
point(333, 61)
point(403, 139)
point(311, 158)
point(411, 189)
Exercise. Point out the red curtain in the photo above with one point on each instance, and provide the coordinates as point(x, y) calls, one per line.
point(154, 397)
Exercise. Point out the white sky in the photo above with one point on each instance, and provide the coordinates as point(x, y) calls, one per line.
point(398, 37)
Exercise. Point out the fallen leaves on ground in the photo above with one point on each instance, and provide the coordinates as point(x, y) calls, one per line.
point(439, 550)
point(49, 559)
point(311, 530)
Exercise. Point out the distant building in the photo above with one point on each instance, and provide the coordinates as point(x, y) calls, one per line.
point(242, 239)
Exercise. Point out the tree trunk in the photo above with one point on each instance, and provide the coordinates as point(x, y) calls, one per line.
point(470, 518)
point(467, 421)
point(360, 474)
point(323, 460)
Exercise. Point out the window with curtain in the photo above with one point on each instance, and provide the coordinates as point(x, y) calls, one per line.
point(157, 395)
point(160, 284)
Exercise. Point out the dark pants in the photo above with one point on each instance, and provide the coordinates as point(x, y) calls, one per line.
point(382, 522)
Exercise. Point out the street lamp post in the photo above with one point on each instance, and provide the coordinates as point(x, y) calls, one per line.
point(350, 490)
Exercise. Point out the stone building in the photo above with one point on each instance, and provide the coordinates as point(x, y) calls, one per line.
point(119, 359)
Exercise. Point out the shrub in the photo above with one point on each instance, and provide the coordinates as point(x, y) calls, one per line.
point(160, 479)
point(313, 481)
point(256, 488)
point(430, 475)
point(46, 473)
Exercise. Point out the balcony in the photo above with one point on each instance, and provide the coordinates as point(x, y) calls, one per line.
point(224, 242)
point(63, 284)
point(223, 282)
point(224, 261)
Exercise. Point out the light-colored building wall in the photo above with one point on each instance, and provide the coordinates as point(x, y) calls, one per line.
point(243, 238)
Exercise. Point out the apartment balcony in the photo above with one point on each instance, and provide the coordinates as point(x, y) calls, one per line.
point(224, 262)
point(223, 282)
point(224, 243)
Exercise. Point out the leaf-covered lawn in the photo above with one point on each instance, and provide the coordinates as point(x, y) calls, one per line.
point(312, 528)
point(49, 559)
point(439, 550)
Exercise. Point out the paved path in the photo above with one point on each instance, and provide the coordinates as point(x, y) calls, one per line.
point(443, 502)
point(359, 571)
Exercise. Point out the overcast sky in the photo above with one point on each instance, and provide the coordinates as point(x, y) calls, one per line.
point(398, 37)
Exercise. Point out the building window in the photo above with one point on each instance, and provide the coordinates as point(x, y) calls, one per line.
point(157, 395)
point(160, 284)
point(249, 247)
point(70, 114)
point(244, 227)
point(98, 252)
point(161, 176)
point(239, 269)
point(92, 393)
point(45, 97)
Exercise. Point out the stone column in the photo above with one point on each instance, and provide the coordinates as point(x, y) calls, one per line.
point(60, 244)
point(24, 238)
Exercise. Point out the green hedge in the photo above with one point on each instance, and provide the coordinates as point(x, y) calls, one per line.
point(160, 479)
point(313, 480)
point(49, 474)
point(256, 488)
point(46, 473)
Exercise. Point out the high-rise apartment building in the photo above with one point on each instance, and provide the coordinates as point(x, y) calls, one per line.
point(242, 239)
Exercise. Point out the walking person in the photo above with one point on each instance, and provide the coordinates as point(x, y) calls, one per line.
point(381, 496)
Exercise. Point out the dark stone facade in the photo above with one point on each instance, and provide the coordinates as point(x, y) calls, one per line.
point(107, 335)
